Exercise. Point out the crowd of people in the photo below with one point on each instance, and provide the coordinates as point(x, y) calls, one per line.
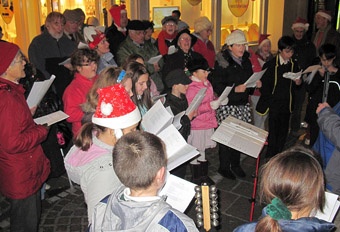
point(106, 81)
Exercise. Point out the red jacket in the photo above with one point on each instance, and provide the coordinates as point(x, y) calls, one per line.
point(74, 96)
point(23, 165)
point(207, 50)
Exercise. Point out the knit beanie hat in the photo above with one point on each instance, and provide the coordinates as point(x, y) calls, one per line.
point(93, 36)
point(236, 37)
point(326, 14)
point(115, 109)
point(300, 22)
point(202, 23)
point(72, 15)
point(263, 39)
point(7, 55)
point(116, 11)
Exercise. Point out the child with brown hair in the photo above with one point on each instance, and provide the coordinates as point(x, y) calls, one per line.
point(139, 160)
point(292, 183)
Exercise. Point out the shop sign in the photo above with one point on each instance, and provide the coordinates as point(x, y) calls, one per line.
point(6, 11)
point(238, 7)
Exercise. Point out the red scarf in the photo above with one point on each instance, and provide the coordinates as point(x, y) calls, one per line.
point(162, 47)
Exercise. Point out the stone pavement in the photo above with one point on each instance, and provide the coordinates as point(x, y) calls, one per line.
point(64, 209)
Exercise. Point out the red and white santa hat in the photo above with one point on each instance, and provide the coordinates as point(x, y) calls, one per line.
point(93, 35)
point(115, 109)
point(326, 14)
point(300, 22)
point(263, 39)
point(116, 11)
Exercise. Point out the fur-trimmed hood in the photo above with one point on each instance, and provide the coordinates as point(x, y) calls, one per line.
point(223, 57)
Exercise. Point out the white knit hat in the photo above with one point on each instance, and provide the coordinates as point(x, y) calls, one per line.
point(236, 37)
point(115, 109)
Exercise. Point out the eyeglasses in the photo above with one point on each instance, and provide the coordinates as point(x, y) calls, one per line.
point(186, 39)
point(88, 63)
point(170, 24)
point(140, 32)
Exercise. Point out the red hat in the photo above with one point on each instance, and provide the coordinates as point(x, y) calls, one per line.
point(115, 109)
point(115, 12)
point(263, 39)
point(93, 36)
point(300, 22)
point(7, 55)
point(326, 14)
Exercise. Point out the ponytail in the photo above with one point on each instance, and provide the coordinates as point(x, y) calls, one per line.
point(84, 137)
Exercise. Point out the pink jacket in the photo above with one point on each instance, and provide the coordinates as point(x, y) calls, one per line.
point(205, 118)
point(74, 96)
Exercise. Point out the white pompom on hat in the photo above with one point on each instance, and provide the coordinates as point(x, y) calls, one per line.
point(300, 22)
point(115, 109)
point(236, 37)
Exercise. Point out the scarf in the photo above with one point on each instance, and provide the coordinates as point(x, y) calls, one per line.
point(162, 47)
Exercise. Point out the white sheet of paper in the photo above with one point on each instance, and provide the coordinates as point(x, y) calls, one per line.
point(156, 118)
point(177, 149)
point(155, 59)
point(251, 82)
point(312, 68)
point(292, 76)
point(225, 93)
point(241, 136)
point(196, 101)
point(179, 192)
point(330, 209)
point(171, 49)
point(38, 91)
point(52, 118)
point(177, 120)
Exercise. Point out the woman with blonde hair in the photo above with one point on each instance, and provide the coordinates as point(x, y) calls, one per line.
point(292, 183)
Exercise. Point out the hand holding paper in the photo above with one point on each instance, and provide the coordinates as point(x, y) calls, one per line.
point(251, 82)
point(292, 76)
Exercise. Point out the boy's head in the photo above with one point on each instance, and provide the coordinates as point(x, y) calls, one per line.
point(286, 46)
point(138, 158)
point(177, 79)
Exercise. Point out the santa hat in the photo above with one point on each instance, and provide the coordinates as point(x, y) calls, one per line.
point(7, 55)
point(116, 11)
point(326, 14)
point(300, 22)
point(263, 39)
point(93, 36)
point(115, 109)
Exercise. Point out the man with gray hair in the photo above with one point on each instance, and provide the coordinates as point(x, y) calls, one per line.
point(134, 44)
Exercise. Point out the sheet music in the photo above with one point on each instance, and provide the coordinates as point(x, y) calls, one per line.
point(177, 149)
point(177, 120)
point(179, 192)
point(171, 49)
point(331, 207)
point(156, 118)
point(196, 101)
point(241, 136)
point(155, 59)
point(38, 91)
point(251, 82)
point(292, 76)
point(225, 94)
point(52, 118)
point(312, 68)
